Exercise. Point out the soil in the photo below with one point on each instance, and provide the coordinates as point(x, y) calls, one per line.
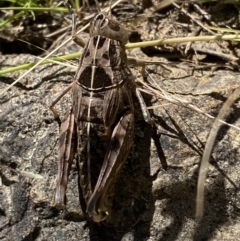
point(156, 191)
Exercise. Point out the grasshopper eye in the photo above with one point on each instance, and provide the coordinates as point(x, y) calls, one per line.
point(113, 25)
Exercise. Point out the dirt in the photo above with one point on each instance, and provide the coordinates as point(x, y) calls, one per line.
point(156, 192)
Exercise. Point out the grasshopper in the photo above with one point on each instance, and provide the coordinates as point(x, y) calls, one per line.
point(99, 125)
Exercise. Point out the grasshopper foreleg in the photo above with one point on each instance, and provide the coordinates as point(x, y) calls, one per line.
point(55, 101)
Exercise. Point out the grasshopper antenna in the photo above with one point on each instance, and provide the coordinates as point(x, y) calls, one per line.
point(69, 6)
point(75, 38)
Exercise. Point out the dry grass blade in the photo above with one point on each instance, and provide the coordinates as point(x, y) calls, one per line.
point(162, 94)
point(38, 63)
point(207, 152)
point(164, 4)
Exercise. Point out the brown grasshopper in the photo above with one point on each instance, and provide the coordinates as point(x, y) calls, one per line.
point(99, 126)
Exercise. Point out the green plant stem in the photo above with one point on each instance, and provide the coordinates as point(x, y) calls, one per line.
point(52, 9)
point(18, 15)
point(47, 61)
point(218, 37)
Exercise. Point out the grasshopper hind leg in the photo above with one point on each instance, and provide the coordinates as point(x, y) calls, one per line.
point(67, 149)
point(100, 204)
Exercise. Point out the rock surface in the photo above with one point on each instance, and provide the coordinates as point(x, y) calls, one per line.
point(151, 203)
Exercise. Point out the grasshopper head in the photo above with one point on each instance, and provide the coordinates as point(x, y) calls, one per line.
point(109, 28)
